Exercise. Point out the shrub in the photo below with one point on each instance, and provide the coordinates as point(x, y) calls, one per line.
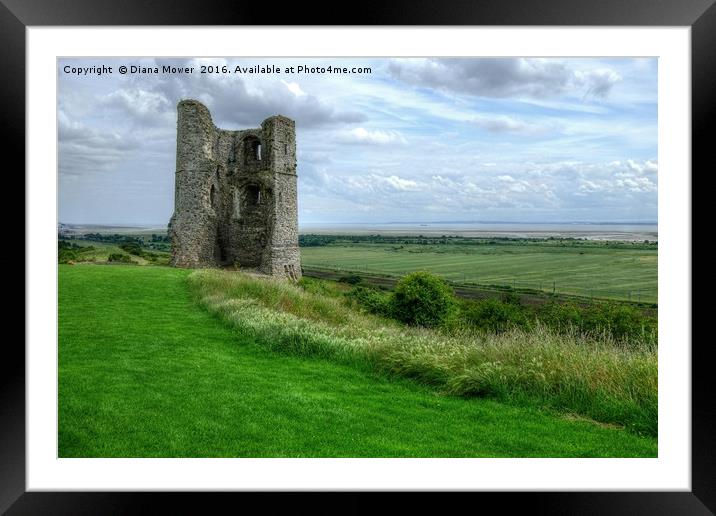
point(622, 321)
point(62, 244)
point(494, 315)
point(132, 248)
point(71, 252)
point(423, 299)
point(560, 316)
point(66, 251)
point(372, 300)
point(65, 255)
point(119, 258)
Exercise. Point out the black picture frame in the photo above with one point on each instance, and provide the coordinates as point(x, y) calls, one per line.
point(16, 15)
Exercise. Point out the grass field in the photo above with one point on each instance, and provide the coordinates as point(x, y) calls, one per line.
point(613, 273)
point(145, 372)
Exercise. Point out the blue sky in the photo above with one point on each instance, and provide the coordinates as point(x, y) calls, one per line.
point(416, 140)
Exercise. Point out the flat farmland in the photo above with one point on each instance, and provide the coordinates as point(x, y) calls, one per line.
point(598, 270)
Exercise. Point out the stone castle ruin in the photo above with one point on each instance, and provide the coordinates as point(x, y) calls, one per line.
point(235, 195)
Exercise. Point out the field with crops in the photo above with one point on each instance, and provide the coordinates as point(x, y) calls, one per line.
point(601, 271)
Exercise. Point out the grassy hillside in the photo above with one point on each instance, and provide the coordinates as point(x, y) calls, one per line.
point(609, 271)
point(145, 372)
point(83, 251)
point(598, 377)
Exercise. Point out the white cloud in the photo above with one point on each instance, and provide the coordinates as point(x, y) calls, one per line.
point(590, 186)
point(504, 77)
point(507, 124)
point(648, 166)
point(637, 184)
point(294, 88)
point(145, 105)
point(398, 183)
point(84, 150)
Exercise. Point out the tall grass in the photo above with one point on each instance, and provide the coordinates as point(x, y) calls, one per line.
point(596, 378)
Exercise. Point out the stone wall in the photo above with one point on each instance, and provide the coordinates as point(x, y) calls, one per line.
point(235, 195)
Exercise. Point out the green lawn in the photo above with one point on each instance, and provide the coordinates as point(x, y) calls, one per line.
point(579, 270)
point(145, 372)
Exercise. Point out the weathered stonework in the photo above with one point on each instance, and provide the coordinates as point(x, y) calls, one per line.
point(235, 195)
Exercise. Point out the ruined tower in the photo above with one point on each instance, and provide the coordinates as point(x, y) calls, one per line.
point(235, 195)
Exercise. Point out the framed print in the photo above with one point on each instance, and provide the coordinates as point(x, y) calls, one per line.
point(447, 251)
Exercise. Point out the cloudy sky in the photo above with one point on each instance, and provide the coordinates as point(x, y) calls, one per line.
point(415, 140)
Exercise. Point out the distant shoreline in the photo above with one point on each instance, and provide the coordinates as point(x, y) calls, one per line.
point(591, 231)
point(594, 235)
point(630, 232)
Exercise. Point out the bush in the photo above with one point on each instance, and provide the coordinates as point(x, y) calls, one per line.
point(422, 299)
point(132, 248)
point(71, 252)
point(561, 316)
point(62, 244)
point(622, 322)
point(65, 255)
point(119, 258)
point(495, 315)
point(67, 251)
point(372, 300)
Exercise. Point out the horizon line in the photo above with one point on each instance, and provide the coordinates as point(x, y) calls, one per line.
point(638, 221)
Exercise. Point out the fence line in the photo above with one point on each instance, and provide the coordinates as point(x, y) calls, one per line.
point(645, 295)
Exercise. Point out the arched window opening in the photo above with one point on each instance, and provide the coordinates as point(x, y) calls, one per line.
point(212, 196)
point(252, 149)
point(253, 194)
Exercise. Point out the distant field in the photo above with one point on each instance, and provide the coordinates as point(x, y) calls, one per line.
point(621, 271)
point(598, 271)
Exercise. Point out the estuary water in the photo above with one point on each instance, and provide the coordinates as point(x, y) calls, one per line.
point(590, 231)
